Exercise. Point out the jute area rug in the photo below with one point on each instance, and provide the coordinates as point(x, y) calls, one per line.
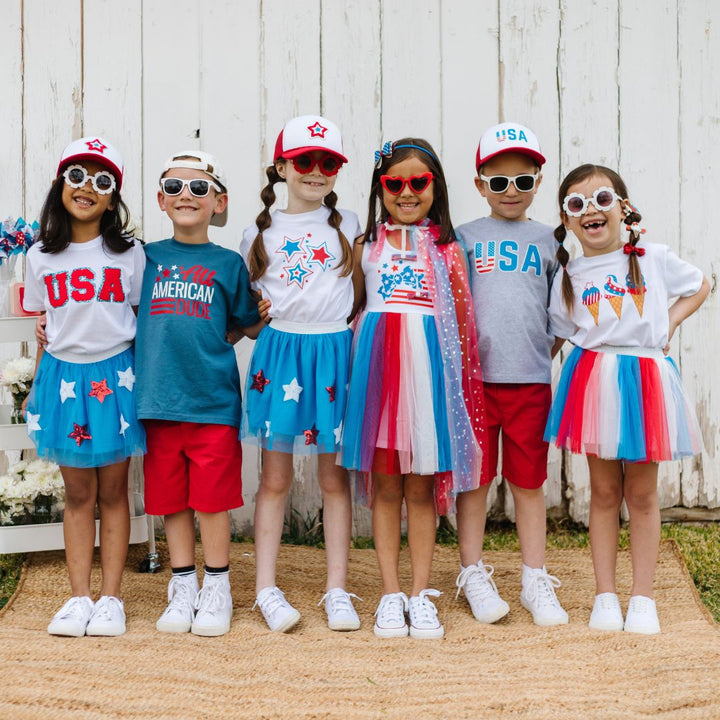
point(510, 669)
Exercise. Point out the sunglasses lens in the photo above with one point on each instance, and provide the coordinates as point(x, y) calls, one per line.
point(104, 182)
point(303, 163)
point(525, 183)
point(329, 165)
point(199, 188)
point(604, 199)
point(172, 186)
point(418, 184)
point(575, 204)
point(77, 176)
point(393, 185)
point(499, 184)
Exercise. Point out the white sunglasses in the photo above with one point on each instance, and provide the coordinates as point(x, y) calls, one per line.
point(500, 183)
point(604, 199)
point(103, 182)
point(199, 187)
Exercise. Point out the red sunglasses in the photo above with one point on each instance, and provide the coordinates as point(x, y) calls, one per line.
point(329, 164)
point(416, 183)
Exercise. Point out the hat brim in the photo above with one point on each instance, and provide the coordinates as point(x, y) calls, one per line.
point(219, 219)
point(539, 158)
point(93, 157)
point(289, 154)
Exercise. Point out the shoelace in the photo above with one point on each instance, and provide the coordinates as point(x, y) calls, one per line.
point(271, 603)
point(105, 608)
point(424, 611)
point(392, 609)
point(340, 601)
point(541, 588)
point(607, 601)
point(641, 605)
point(73, 609)
point(211, 599)
point(477, 582)
point(180, 593)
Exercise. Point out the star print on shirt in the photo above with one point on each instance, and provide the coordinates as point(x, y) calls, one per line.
point(317, 130)
point(297, 273)
point(33, 422)
point(126, 379)
point(80, 434)
point(259, 381)
point(292, 391)
point(100, 390)
point(67, 390)
point(321, 255)
point(290, 247)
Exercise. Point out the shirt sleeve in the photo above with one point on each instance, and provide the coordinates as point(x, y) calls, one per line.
point(244, 311)
point(682, 278)
point(560, 321)
point(136, 280)
point(34, 298)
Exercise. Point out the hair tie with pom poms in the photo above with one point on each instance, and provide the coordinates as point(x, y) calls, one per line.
point(630, 249)
point(636, 229)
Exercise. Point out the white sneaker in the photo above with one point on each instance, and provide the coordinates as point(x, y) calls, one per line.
point(73, 617)
point(390, 616)
point(606, 613)
point(108, 618)
point(424, 621)
point(481, 593)
point(538, 597)
point(340, 611)
point(214, 607)
point(180, 612)
point(642, 616)
point(279, 614)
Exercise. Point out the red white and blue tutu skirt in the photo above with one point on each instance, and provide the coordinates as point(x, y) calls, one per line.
point(397, 398)
point(81, 410)
point(296, 387)
point(623, 403)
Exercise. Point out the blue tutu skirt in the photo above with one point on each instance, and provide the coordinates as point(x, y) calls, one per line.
point(83, 414)
point(296, 388)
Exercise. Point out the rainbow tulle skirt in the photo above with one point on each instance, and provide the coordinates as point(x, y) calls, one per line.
point(624, 404)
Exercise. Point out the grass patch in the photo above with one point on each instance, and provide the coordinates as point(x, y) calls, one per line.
point(10, 567)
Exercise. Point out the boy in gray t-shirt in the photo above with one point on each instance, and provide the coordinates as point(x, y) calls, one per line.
point(512, 264)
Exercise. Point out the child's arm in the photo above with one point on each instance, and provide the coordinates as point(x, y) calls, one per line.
point(358, 278)
point(40, 335)
point(684, 307)
point(38, 356)
point(559, 342)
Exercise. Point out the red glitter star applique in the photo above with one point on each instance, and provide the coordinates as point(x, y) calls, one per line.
point(311, 435)
point(317, 130)
point(259, 381)
point(97, 145)
point(100, 390)
point(331, 392)
point(80, 434)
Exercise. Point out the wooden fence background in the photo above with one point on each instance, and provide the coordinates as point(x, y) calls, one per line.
point(626, 83)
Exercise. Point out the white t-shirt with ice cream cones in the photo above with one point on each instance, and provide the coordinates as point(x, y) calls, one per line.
point(610, 310)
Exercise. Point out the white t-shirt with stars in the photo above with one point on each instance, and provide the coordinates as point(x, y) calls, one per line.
point(303, 280)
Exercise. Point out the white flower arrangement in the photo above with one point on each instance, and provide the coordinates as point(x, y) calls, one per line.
point(17, 376)
point(31, 492)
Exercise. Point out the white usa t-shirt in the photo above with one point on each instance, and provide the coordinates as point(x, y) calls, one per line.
point(610, 310)
point(88, 292)
point(302, 280)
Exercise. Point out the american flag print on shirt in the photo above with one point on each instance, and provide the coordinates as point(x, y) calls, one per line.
point(480, 265)
point(402, 284)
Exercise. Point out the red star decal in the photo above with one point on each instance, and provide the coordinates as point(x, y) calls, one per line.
point(311, 435)
point(259, 381)
point(166, 273)
point(320, 254)
point(97, 145)
point(80, 434)
point(317, 130)
point(331, 392)
point(100, 390)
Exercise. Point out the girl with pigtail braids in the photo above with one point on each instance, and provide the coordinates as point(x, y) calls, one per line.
point(620, 400)
point(301, 262)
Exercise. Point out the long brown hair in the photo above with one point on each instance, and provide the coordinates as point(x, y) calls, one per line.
point(258, 259)
point(578, 175)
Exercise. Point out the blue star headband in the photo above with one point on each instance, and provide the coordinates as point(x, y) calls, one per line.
point(389, 147)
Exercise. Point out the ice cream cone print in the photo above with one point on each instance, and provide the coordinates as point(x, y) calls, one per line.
point(616, 302)
point(614, 294)
point(591, 300)
point(636, 293)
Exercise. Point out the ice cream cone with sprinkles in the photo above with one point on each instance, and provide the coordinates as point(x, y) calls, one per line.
point(591, 300)
point(636, 293)
point(614, 294)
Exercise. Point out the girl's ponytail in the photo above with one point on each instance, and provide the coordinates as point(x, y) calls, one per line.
point(258, 260)
point(334, 220)
point(563, 256)
point(632, 220)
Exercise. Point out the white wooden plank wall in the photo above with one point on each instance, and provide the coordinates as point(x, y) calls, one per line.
point(599, 81)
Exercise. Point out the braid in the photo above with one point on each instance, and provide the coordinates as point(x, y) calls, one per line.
point(563, 256)
point(258, 260)
point(334, 220)
point(635, 275)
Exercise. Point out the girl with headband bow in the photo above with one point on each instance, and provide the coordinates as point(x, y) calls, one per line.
point(620, 399)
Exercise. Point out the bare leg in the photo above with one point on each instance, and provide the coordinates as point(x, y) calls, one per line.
point(180, 535)
point(79, 525)
point(337, 518)
point(386, 510)
point(606, 490)
point(215, 536)
point(275, 482)
point(644, 509)
point(471, 514)
point(530, 519)
point(420, 502)
point(114, 524)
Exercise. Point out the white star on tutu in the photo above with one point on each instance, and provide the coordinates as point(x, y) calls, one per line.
point(267, 425)
point(338, 432)
point(67, 390)
point(126, 379)
point(292, 391)
point(123, 425)
point(32, 421)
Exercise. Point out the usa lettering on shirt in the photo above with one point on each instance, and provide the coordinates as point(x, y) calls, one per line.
point(79, 285)
point(507, 256)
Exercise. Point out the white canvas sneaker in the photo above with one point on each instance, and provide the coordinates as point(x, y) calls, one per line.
point(606, 613)
point(72, 618)
point(424, 621)
point(214, 607)
point(538, 597)
point(279, 614)
point(108, 618)
point(481, 593)
point(390, 616)
point(340, 611)
point(180, 612)
point(642, 616)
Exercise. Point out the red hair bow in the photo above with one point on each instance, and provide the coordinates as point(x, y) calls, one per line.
point(629, 249)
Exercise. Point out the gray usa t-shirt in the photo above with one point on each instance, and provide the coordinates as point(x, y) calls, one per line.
point(511, 268)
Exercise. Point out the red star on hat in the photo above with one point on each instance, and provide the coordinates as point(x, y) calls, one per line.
point(80, 434)
point(259, 381)
point(97, 145)
point(311, 435)
point(317, 130)
point(100, 390)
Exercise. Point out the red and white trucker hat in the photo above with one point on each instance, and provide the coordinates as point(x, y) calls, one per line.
point(508, 137)
point(306, 133)
point(97, 150)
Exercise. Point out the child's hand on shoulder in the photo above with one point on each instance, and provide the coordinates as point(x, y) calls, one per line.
point(264, 310)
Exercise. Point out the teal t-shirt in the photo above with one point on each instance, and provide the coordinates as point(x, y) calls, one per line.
point(186, 370)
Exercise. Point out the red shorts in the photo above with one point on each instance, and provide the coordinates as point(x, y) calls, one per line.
point(192, 465)
point(520, 411)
